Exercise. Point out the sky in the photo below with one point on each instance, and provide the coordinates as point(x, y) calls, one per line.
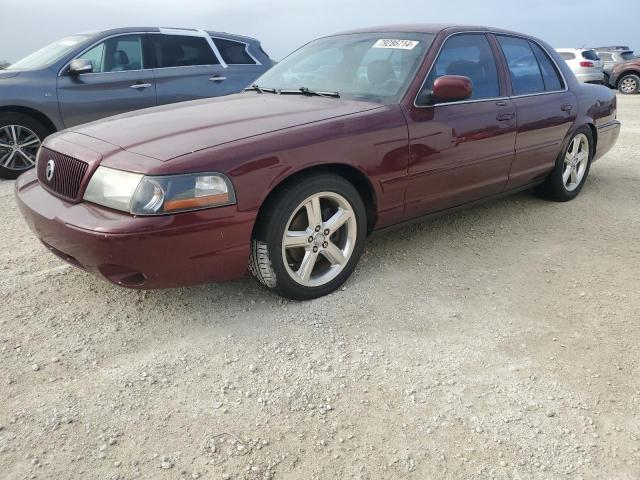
point(283, 25)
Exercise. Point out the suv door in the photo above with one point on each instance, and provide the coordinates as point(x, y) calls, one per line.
point(187, 68)
point(546, 109)
point(120, 81)
point(460, 151)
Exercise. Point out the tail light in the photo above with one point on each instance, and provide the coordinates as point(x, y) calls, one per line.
point(587, 64)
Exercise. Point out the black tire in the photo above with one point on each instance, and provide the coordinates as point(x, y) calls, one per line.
point(267, 263)
point(633, 82)
point(554, 187)
point(23, 120)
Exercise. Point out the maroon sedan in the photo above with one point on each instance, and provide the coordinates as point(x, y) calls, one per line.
point(349, 134)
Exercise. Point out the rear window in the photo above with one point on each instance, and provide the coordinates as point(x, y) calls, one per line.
point(567, 55)
point(233, 53)
point(626, 56)
point(182, 51)
point(590, 55)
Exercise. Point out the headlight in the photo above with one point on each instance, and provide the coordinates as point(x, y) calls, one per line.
point(158, 195)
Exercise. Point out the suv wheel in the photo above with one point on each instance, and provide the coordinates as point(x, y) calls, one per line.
point(311, 239)
point(20, 139)
point(629, 84)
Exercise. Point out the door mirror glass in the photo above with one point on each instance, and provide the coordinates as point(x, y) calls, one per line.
point(452, 88)
point(80, 66)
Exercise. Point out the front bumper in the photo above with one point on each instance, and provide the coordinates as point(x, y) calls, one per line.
point(190, 248)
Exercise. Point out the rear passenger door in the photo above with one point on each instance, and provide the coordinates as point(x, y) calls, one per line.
point(546, 109)
point(186, 68)
point(242, 67)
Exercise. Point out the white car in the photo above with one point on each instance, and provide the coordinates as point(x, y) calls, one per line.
point(585, 63)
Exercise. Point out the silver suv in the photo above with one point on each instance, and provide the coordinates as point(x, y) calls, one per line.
point(88, 76)
point(585, 64)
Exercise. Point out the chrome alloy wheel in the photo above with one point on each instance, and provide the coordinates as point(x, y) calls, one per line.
point(319, 239)
point(628, 85)
point(18, 147)
point(576, 161)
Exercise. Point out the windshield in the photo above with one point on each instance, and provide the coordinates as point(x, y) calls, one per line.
point(49, 54)
point(364, 66)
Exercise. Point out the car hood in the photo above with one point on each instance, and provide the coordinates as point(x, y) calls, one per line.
point(174, 130)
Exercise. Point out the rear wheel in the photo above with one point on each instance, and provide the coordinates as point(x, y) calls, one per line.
point(20, 139)
point(310, 240)
point(571, 169)
point(629, 84)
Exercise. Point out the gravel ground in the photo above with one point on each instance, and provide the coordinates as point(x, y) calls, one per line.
point(499, 342)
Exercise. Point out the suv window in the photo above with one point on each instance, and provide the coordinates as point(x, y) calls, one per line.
point(116, 54)
point(626, 56)
point(526, 76)
point(182, 51)
point(469, 55)
point(233, 53)
point(567, 55)
point(590, 55)
point(606, 57)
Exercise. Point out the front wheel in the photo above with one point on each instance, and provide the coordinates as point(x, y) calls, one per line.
point(311, 238)
point(572, 167)
point(20, 139)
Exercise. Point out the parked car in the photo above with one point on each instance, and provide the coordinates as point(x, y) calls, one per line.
point(585, 64)
point(611, 56)
point(88, 76)
point(626, 77)
point(350, 134)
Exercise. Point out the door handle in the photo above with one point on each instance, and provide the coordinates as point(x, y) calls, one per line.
point(217, 79)
point(567, 107)
point(140, 85)
point(505, 116)
point(501, 103)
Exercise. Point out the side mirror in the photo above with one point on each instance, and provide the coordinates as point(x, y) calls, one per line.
point(79, 66)
point(451, 88)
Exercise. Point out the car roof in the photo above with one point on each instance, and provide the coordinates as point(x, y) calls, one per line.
point(427, 28)
point(174, 30)
point(574, 49)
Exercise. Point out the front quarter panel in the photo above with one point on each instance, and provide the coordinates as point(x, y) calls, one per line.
point(373, 142)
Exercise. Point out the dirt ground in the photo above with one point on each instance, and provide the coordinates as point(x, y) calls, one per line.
point(499, 342)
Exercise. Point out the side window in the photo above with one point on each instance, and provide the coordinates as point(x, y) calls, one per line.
point(182, 51)
point(606, 57)
point(233, 53)
point(526, 77)
point(469, 55)
point(96, 55)
point(567, 55)
point(550, 75)
point(117, 54)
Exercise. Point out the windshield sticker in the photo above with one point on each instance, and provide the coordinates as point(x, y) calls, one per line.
point(391, 43)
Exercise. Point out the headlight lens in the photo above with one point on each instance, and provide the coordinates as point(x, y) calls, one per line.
point(158, 195)
point(112, 188)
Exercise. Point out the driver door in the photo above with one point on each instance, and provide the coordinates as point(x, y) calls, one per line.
point(119, 82)
point(461, 151)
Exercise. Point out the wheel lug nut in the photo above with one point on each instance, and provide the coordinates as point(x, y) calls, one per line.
point(325, 244)
point(326, 231)
point(315, 249)
point(318, 228)
point(310, 239)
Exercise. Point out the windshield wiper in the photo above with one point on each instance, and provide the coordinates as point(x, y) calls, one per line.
point(260, 89)
point(306, 91)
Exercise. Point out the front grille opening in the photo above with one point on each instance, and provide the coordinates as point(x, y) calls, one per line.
point(61, 174)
